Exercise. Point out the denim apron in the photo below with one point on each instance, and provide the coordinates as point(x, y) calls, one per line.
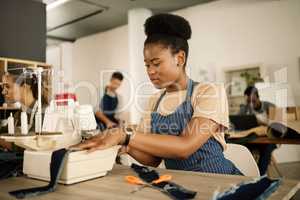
point(108, 105)
point(208, 158)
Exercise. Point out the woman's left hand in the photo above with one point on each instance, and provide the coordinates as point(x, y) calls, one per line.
point(106, 139)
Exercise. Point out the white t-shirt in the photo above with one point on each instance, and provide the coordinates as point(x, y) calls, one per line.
point(209, 101)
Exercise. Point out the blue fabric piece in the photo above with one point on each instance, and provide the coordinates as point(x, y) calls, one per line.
point(259, 189)
point(208, 158)
point(56, 166)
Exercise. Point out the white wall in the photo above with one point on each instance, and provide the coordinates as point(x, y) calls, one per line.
point(98, 55)
point(61, 59)
point(136, 38)
point(231, 33)
point(226, 33)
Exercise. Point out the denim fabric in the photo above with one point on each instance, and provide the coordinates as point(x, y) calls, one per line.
point(174, 191)
point(258, 189)
point(56, 166)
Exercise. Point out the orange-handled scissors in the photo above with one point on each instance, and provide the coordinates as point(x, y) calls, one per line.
point(135, 180)
point(163, 178)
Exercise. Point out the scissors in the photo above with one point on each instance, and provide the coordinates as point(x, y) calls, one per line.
point(137, 181)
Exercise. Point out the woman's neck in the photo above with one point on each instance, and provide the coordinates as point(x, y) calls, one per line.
point(109, 90)
point(28, 100)
point(180, 84)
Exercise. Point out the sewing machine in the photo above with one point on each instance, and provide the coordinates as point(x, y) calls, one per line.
point(65, 115)
point(65, 119)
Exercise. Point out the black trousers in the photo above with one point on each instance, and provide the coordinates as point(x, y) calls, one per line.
point(11, 164)
point(265, 154)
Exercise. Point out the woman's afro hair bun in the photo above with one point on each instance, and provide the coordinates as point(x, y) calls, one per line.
point(168, 24)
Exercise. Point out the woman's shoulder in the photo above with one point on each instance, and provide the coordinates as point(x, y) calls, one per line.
point(208, 88)
point(211, 93)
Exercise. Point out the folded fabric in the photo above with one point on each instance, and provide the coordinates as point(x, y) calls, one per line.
point(56, 166)
point(173, 190)
point(258, 131)
point(289, 130)
point(146, 174)
point(243, 140)
point(258, 189)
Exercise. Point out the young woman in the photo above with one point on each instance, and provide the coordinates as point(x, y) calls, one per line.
point(186, 119)
point(17, 87)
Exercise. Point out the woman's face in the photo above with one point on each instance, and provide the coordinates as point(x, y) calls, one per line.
point(162, 66)
point(12, 92)
point(115, 84)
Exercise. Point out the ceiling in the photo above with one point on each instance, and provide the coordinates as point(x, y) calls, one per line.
point(68, 20)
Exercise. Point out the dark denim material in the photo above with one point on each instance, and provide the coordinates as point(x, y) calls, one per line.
point(258, 189)
point(56, 166)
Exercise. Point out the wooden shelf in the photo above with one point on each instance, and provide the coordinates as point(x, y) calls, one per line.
point(9, 108)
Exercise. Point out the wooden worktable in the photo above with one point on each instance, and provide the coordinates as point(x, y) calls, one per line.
point(267, 140)
point(114, 187)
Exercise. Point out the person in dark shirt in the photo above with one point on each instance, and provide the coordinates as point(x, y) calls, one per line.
point(261, 109)
point(105, 117)
point(254, 106)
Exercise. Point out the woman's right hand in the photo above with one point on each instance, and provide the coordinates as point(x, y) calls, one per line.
point(107, 139)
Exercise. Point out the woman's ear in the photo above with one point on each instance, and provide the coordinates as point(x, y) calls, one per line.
point(180, 58)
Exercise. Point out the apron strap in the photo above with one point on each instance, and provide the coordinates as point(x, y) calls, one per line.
point(189, 93)
point(190, 89)
point(33, 112)
point(158, 101)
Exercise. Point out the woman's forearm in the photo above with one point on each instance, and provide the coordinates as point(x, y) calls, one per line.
point(156, 145)
point(102, 117)
point(144, 158)
point(164, 146)
point(176, 147)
